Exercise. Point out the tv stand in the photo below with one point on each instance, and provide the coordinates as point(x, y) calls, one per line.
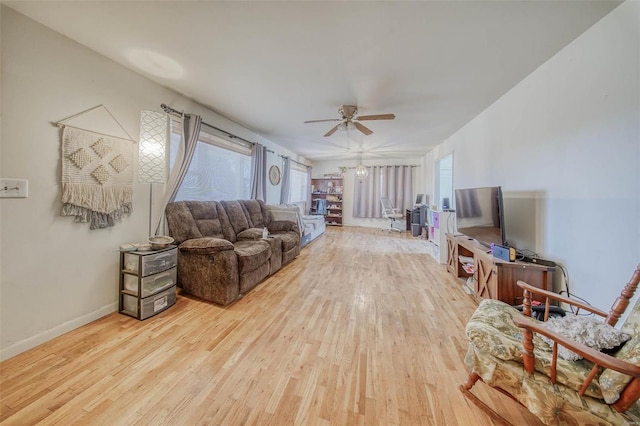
point(492, 278)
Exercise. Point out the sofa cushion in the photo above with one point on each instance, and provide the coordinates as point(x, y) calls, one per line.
point(313, 218)
point(256, 213)
point(206, 245)
point(289, 240)
point(198, 219)
point(237, 216)
point(251, 254)
point(251, 234)
point(308, 228)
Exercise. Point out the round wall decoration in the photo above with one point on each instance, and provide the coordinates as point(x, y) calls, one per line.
point(274, 175)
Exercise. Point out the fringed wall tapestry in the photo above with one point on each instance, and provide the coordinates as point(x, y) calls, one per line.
point(97, 177)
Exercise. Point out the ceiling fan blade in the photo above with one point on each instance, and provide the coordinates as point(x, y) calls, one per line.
point(376, 117)
point(362, 128)
point(322, 121)
point(332, 131)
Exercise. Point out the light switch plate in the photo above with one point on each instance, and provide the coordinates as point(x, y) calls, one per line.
point(14, 188)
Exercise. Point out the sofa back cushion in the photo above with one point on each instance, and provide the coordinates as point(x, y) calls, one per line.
point(237, 215)
point(256, 212)
point(198, 219)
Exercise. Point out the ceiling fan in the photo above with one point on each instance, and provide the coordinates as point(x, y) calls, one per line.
point(349, 117)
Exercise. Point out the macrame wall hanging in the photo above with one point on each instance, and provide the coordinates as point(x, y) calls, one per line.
point(97, 172)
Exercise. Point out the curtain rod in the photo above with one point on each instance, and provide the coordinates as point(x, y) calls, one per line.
point(231, 136)
point(386, 165)
point(291, 159)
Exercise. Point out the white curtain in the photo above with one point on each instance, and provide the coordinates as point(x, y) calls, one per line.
point(393, 182)
point(191, 125)
point(397, 186)
point(286, 180)
point(366, 200)
point(259, 172)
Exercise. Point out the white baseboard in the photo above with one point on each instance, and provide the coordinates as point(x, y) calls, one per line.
point(45, 336)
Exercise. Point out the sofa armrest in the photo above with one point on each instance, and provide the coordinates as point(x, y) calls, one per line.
point(205, 245)
point(250, 234)
point(279, 226)
point(286, 214)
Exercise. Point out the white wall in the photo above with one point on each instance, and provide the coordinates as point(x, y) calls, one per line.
point(320, 168)
point(564, 144)
point(56, 275)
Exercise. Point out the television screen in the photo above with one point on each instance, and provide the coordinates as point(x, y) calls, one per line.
point(479, 214)
point(419, 199)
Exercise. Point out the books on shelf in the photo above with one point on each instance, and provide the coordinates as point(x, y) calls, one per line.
point(468, 268)
point(465, 259)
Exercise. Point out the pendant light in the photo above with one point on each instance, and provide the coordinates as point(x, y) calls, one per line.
point(361, 171)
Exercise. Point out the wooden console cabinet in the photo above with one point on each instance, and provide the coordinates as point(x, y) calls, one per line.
point(493, 278)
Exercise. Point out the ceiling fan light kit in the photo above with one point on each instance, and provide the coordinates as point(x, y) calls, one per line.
point(349, 117)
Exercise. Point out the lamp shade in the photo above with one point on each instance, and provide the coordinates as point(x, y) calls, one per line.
point(152, 166)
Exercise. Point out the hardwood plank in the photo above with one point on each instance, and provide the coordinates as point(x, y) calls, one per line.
point(362, 328)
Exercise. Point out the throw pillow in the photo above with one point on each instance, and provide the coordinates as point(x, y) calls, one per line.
point(586, 330)
point(612, 382)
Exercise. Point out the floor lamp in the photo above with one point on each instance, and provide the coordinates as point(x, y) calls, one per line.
point(152, 159)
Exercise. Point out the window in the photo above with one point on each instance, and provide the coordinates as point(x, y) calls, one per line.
point(219, 170)
point(298, 184)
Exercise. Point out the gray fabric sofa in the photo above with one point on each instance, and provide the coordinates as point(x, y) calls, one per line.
point(311, 226)
point(221, 252)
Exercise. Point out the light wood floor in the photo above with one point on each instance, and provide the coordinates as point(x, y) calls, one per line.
point(362, 328)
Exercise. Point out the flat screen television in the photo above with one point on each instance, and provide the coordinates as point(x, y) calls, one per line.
point(480, 214)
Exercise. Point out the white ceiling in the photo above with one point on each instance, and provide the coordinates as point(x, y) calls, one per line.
point(272, 65)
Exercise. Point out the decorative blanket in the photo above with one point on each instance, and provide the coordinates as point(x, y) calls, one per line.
point(97, 177)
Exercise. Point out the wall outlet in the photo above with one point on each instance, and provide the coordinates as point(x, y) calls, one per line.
point(14, 188)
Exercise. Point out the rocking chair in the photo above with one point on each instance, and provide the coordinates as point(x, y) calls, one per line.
point(507, 353)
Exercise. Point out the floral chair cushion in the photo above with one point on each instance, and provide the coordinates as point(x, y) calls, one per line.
point(492, 330)
point(632, 323)
point(612, 382)
point(552, 404)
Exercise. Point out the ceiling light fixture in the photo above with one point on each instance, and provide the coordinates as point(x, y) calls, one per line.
point(361, 172)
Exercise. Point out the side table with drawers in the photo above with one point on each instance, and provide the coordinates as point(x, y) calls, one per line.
point(148, 281)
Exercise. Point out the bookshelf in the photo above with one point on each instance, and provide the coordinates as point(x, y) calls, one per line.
point(326, 199)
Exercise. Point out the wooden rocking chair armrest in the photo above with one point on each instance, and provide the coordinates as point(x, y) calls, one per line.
point(560, 298)
point(593, 355)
